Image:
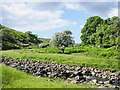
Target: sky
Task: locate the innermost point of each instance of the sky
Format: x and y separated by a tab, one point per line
46	18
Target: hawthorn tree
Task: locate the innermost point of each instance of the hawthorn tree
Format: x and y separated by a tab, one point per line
62	39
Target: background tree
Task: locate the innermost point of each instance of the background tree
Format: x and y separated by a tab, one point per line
62	39
89	29
97	31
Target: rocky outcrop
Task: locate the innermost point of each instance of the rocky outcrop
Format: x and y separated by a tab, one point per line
73	74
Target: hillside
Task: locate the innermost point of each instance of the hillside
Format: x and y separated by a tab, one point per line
44	40
12	39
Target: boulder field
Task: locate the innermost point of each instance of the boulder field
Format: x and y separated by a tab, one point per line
73	74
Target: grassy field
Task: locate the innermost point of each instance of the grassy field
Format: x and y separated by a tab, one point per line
12	78
74	58
83	56
112	52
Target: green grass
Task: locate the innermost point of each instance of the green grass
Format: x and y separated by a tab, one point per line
112	52
72	59
12	78
85	56
0	76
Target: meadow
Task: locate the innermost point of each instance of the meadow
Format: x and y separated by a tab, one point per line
106	59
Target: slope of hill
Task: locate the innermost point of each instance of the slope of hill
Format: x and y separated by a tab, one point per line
12	39
44	40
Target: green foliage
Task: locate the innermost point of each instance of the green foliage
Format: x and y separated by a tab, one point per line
32	38
12	39
97	31
62	39
89	29
12	78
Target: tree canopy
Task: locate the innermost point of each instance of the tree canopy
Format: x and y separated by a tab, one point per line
97	31
62	39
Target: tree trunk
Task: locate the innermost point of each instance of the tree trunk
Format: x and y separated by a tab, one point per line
62	50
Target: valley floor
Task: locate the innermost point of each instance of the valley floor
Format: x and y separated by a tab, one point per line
12	78
71	59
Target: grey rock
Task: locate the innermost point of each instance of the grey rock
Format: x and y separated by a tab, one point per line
94	80
73	74
77	78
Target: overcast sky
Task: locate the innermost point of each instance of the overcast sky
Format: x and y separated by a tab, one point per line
46	18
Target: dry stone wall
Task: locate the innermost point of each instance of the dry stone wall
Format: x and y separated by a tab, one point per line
73	74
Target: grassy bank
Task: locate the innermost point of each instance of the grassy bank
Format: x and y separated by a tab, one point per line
72	59
12	78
